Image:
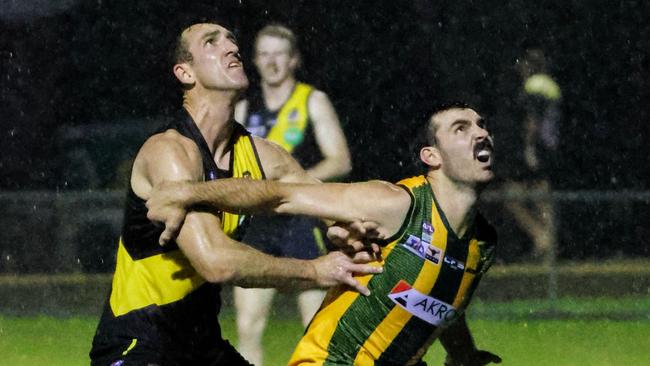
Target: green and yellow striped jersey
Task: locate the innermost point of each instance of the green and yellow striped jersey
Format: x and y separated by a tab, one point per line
428	279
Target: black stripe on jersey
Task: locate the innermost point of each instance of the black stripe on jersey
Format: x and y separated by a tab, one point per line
452	270
403	348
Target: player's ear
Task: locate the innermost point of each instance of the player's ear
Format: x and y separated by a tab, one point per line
295	60
430	156
184	74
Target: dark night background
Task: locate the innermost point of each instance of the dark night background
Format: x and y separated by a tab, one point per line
383	63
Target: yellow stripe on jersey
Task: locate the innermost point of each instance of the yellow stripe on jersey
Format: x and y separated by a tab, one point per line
318	335
160	279
291	123
413	182
168	277
130	347
473	258
245	166
312	349
394	322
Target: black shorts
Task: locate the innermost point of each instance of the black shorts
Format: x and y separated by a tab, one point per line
287	236
222	355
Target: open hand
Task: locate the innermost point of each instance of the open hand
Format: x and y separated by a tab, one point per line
337	268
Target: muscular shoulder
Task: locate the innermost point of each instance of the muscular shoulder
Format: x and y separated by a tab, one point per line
319	102
277	163
318	96
165	156
381	202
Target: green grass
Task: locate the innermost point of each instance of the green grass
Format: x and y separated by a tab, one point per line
566	332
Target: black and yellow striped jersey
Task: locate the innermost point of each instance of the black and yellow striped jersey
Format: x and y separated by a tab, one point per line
290	126
428	279
157	299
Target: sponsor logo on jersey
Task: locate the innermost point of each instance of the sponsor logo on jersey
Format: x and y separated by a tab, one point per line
242	219
454	263
423	249
427	308
427	232
427	228
259	131
293	136
293	116
254	120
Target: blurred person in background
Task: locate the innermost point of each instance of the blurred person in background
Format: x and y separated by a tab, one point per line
539	99
302	120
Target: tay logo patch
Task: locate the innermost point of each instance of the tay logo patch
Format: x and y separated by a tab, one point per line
423	249
427	308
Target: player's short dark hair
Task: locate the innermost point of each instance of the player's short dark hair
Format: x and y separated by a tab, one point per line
180	52
428	134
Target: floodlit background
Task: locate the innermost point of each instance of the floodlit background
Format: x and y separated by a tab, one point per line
84	82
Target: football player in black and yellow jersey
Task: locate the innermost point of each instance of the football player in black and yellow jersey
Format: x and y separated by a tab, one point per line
301	119
164	301
436	248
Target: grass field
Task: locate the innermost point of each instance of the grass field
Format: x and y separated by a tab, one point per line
566	332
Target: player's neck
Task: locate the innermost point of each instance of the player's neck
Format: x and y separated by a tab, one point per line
275	95
213	115
457	201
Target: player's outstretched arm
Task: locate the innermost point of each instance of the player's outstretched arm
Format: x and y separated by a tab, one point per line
217	257
376	201
294	192
461	351
220	259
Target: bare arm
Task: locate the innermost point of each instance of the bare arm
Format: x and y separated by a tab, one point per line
331	141
362	202
380	202
215	256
